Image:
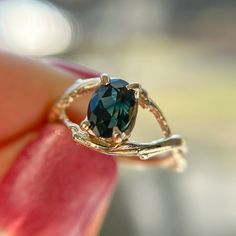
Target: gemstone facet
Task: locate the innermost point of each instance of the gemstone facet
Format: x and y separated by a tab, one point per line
111	105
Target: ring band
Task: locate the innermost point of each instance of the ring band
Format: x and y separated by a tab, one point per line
111	117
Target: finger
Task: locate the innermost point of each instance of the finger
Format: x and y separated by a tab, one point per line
28	89
9	152
72	68
94	223
56	188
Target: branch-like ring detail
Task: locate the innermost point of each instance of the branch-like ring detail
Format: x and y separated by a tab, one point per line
168	151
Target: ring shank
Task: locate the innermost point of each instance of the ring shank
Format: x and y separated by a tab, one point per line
171	157
167	160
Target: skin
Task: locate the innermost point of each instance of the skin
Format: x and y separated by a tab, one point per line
28	88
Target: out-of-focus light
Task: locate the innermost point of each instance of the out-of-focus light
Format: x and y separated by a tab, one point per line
34	27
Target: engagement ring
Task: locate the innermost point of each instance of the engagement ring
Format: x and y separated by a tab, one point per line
111	116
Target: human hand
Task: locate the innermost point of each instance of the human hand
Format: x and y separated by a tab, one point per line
50	186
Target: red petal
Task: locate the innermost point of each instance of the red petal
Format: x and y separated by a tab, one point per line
55	187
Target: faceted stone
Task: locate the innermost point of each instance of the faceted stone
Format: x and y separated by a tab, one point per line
111	106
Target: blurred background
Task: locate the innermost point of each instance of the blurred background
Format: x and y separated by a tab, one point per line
184	53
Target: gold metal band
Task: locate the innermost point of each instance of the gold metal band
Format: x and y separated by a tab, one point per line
165	152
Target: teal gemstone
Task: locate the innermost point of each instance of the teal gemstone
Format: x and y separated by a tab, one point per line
111	106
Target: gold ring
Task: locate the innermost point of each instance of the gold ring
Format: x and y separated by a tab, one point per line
111	116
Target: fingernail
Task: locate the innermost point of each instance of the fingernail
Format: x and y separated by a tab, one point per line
55	187
75	69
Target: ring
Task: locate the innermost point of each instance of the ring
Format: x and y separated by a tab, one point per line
111	116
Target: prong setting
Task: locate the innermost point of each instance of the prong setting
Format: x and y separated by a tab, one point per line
85	125
118	136
136	87
105	79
